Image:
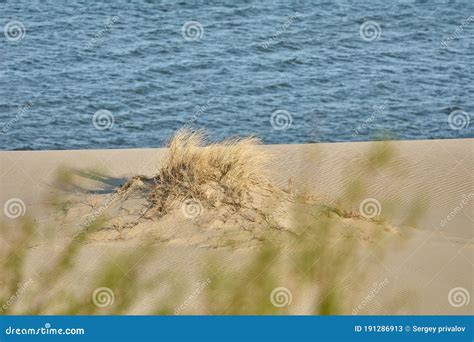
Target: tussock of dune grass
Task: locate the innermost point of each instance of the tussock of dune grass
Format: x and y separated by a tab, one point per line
226	172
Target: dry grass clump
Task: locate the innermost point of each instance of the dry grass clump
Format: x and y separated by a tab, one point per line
228	172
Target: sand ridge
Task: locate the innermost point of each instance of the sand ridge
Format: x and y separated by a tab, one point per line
424	261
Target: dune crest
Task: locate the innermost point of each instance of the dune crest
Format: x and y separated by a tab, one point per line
217	195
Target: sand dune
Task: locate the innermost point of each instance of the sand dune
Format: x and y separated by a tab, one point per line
435	256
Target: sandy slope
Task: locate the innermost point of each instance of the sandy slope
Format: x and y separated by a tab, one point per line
436	175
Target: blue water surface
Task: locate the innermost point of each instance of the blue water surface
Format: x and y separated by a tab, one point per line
327	70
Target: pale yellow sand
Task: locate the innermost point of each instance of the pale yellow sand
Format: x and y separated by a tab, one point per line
435	174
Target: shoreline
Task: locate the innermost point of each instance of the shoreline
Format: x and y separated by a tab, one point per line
266	145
